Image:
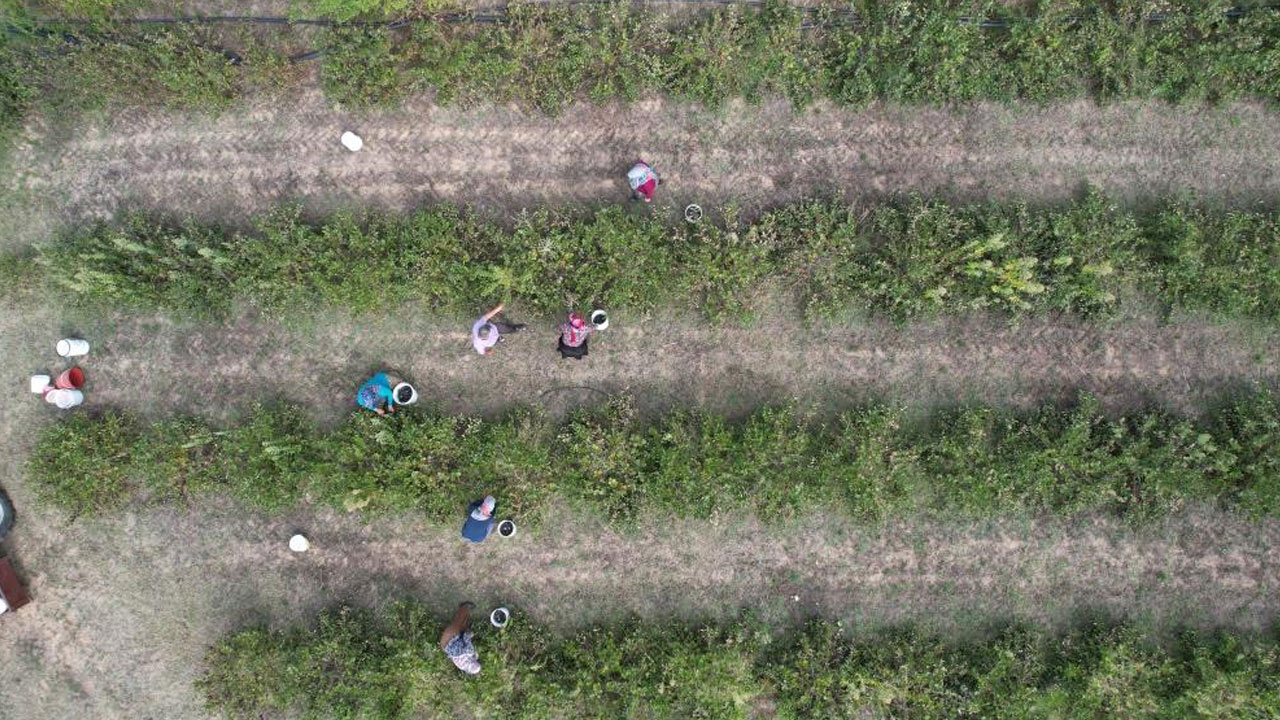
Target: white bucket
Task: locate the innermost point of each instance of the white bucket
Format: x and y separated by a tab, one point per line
299	543
39	383
600	319
352	141
503	529
64	399
73	347
500	617
413	394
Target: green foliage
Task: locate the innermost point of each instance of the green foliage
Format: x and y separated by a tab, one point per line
19	275
358	664
903	259
1228	263
84	484
545	55
355	663
345	10
16	88
180	67
1094	670
80	9
776	463
359	68
146	264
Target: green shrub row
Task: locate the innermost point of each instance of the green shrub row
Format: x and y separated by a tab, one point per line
355	664
545	56
902	259
868	463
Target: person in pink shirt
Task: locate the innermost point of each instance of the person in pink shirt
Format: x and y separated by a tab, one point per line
573	337
644	181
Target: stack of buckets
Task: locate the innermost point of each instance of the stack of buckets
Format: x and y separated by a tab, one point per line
64	391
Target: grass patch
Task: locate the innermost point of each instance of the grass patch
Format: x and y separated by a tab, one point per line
778	463
355	663
904	259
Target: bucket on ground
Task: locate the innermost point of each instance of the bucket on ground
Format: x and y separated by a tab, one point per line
72	347
39	383
600	319
693	213
72	379
64	398
500	617
352	141
507	529
299	543
404	394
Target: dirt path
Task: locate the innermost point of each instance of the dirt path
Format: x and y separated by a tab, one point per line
501	159
125	605
159	366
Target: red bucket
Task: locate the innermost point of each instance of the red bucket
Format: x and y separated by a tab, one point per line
72	379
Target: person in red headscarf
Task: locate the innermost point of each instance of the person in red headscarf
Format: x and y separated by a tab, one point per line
573	337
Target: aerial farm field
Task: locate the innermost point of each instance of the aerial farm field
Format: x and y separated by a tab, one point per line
937	380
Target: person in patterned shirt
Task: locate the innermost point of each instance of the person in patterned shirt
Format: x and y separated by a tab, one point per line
644	181
573	337
458	643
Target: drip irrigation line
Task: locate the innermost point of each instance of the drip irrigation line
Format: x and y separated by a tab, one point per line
560	388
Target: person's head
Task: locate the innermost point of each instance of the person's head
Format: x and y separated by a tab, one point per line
484	332
575	320
487	505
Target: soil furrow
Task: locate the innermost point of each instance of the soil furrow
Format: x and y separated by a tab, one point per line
158	366
244	161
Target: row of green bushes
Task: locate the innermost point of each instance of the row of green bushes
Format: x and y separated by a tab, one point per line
900	259
355	664
545	56
911	52
868	463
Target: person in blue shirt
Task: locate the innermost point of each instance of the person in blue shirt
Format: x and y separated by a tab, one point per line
375	393
479	523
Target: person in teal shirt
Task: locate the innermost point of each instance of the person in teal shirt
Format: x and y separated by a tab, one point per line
375	393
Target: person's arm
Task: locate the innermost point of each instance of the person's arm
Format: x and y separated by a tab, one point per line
489	315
